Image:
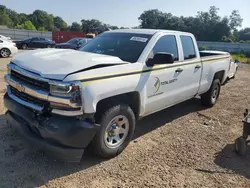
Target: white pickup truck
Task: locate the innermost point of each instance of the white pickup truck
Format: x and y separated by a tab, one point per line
65	101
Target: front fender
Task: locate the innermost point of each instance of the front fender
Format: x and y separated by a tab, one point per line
95	91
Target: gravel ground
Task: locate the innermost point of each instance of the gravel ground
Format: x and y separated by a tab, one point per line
183	146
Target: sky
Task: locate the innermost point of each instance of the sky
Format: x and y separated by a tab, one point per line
126	12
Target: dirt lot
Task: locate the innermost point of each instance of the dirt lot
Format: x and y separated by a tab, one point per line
184	146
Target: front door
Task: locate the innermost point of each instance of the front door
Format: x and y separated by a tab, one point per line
162	81
33	42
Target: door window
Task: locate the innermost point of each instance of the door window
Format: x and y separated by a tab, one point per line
34	39
166	44
188	47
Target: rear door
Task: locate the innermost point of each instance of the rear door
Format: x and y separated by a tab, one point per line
42	43
190	69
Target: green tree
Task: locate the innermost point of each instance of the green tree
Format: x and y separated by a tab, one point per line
41	29
244	34
75	27
26	25
22	18
235	20
4	17
14	16
206	26
154	19
113	27
90	25
60	23
42	19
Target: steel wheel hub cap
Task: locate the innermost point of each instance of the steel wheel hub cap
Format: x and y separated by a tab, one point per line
215	93
116	132
4	53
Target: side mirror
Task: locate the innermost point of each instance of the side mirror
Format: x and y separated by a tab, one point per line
161	58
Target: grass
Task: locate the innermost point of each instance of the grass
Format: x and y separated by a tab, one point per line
242	58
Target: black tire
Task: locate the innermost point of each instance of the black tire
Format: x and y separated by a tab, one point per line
241	146
24	46
5	53
210	98
98	144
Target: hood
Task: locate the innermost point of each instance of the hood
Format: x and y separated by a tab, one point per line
65	44
57	64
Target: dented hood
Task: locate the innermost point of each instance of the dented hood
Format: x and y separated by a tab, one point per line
57	64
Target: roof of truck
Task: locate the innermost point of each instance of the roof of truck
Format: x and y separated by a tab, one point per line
146	31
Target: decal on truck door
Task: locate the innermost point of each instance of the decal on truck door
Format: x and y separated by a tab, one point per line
157	85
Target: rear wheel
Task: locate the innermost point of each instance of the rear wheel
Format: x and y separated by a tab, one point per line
5	52
117	129
211	96
24	46
241	146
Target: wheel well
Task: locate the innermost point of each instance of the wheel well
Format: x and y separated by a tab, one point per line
132	99
219	75
4	48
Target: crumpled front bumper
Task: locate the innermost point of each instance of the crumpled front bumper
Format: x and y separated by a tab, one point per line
63	138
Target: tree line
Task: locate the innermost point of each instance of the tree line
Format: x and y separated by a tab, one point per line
206	26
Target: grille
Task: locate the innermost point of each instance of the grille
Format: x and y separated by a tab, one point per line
30	81
27	98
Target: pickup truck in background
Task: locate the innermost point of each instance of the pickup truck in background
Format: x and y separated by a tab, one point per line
65	101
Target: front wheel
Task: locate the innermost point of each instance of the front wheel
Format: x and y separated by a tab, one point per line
117	129
211	96
5	52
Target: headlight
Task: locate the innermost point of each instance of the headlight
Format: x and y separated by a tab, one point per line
64	90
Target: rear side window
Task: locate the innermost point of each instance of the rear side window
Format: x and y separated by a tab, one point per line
167	44
188	47
35	39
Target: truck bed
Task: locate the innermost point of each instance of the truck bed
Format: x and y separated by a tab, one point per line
205	53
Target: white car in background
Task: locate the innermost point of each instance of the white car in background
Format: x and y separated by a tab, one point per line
7	48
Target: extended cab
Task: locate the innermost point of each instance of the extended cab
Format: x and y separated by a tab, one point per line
65	101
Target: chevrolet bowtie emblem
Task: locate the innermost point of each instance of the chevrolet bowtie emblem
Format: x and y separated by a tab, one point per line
20	88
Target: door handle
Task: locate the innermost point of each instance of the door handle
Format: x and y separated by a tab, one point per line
179	70
197	67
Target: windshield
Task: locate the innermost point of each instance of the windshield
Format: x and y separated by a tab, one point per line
126	46
27	38
73	41
84	41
